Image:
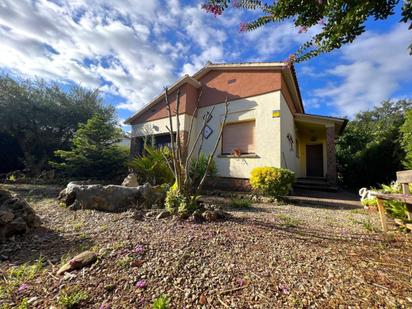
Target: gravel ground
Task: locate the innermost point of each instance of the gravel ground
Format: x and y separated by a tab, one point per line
264	256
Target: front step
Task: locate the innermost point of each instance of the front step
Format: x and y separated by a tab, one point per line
312	183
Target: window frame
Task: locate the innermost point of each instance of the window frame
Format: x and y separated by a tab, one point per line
254	138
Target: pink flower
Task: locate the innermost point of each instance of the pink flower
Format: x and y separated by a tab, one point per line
104	306
303	29
141	284
235	4
139	249
243	27
23	287
212	8
284	289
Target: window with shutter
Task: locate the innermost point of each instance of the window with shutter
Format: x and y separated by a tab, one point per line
239	136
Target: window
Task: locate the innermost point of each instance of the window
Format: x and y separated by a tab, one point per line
239	136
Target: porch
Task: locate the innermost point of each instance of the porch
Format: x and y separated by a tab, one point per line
315	150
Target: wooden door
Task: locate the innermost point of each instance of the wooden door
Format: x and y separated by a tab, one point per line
314	160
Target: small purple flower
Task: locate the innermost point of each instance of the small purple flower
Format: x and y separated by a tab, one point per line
104	306
141	284
241	282
284	289
23	287
139	249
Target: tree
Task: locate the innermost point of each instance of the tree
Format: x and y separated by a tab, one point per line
43	117
94	152
341	20
406	141
182	197
369	152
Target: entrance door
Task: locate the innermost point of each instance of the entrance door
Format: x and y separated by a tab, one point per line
314	160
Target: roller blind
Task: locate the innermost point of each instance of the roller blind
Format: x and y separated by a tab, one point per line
239	135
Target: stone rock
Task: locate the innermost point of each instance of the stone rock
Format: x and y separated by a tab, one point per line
130	181
214	215
6	217
16	215
164	214
409	226
196	217
81	260
209	215
111	198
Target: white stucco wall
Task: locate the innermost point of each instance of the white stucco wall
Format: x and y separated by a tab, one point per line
267	133
159	126
288	153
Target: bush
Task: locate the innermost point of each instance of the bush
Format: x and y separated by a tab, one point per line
198	169
152	167
178	203
272	181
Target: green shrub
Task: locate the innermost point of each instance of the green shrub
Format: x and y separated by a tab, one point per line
162	302
240	203
70	299
152	167
395	209
178	203
198	169
370	202
272	181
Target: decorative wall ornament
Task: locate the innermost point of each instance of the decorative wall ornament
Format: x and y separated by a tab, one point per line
290	140
207	132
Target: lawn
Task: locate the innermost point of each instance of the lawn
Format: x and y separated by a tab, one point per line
264	256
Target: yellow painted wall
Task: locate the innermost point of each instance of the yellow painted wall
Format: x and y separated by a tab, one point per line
305	140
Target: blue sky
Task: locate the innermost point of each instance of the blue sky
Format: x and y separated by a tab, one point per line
132	49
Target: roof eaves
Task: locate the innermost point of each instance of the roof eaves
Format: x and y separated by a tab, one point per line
186	78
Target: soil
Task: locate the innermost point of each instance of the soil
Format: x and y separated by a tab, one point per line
263	256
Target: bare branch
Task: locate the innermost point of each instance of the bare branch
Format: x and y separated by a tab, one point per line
199	187
191	120
171	132
178	154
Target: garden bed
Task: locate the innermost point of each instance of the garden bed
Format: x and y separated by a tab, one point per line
264	256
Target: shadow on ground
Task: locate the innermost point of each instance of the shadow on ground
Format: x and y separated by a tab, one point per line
41	242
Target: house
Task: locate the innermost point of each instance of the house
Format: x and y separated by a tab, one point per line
266	123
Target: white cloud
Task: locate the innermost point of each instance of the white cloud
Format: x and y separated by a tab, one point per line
376	65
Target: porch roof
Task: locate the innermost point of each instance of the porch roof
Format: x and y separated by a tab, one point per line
338	123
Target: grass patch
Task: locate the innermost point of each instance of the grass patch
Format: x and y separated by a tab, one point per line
124	262
367	224
79	225
358	211
288	221
240	203
17	275
70	299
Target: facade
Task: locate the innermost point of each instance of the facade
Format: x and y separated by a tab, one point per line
266	124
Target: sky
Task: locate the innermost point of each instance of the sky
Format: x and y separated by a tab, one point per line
131	50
